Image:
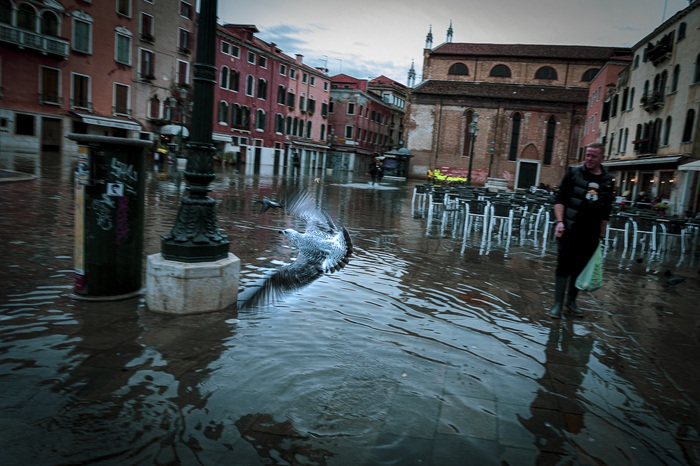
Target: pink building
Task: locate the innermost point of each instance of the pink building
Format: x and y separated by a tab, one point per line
66	67
360	123
268	105
603	103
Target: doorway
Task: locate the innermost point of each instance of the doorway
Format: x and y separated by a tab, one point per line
527	174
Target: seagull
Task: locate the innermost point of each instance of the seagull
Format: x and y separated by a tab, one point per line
323	248
267	203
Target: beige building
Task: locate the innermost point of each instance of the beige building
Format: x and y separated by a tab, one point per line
653	124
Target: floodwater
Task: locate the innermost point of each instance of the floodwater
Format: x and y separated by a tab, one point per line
415	353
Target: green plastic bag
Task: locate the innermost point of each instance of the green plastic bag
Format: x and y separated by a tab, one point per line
591	277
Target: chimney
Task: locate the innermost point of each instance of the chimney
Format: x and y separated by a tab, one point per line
300	58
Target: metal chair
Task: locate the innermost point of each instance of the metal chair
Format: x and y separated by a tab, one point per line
476	215
644	232
619	225
501	220
420	195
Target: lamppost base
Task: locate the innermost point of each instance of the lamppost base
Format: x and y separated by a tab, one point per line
190	288
193	253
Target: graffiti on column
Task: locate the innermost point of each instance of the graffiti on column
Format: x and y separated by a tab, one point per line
103	212
122	219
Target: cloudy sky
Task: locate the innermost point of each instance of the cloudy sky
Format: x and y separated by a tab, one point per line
368	38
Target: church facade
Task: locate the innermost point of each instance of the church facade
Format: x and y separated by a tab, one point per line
526	106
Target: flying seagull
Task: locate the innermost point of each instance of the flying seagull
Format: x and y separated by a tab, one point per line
267	203
323	248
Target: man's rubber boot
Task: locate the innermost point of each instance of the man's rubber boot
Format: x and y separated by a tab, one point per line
571	299
559	291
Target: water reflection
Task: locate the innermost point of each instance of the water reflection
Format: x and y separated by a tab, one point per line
417	350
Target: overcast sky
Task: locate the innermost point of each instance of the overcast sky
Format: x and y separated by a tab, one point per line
369	38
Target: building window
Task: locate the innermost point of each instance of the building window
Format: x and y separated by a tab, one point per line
281	94
233	85
309	129
154	107
290	99
682	31
302	103
26	17
124	7
50	86
260	120
589	75
500	71
696	74
348	132
121	99
225	77
82	35
292	73
184	41
250	86
251	58
351	108
49	24
262	89
223	113
147	65
279	123
24	124
459	69
183	72
675	78
123	47
304	78
186	10
262	62
667	131
5	12
311	105
146	30
688	128
283	70
80	93
514	137
549	143
546	72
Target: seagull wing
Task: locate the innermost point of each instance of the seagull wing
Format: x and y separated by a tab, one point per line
303	206
284	281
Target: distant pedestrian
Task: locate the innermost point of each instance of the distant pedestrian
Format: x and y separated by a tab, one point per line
582	211
296	163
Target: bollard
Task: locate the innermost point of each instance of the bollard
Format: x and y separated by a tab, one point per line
109	215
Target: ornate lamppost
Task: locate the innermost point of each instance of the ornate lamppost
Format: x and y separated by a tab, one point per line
473	131
195	237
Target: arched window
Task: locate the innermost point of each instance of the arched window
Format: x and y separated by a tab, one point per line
500	71
279	123
636	61
49	23
5	12
667	131
260	120
245	117
309	127
589	75
459	69
26	17
674	79
696	75
250	85
549	143
281	94
225	77
681	31
323	133
688	128
262	88
514	137
546	72
223	113
625	97
631	98
233	84
289	125
235	116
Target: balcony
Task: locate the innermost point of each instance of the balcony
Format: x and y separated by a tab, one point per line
653	101
47	45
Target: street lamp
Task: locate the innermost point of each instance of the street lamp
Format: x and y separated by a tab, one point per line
473	131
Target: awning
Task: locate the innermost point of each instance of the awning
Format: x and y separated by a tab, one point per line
694	166
645	161
221	137
110	122
174	130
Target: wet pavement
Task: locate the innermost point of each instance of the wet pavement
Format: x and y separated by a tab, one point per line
415	353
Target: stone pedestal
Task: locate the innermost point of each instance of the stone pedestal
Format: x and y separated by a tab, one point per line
189	288
496	184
